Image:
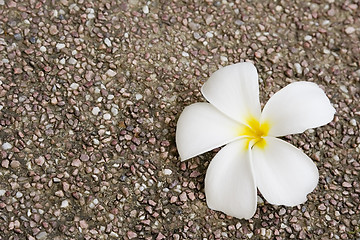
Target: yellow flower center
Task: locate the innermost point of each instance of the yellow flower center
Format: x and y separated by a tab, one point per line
255	132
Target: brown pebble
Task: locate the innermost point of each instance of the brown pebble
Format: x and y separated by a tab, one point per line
53	30
152	203
183	197
15	164
59	193
125	191
84	157
346	184
131	234
18	70
160	236
191	196
76	163
195	174
40	160
289	73
322	207
66	186
83	224
173	199
5	163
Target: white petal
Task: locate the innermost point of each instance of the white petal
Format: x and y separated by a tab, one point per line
297	107
229	182
284	174
201	127
234	90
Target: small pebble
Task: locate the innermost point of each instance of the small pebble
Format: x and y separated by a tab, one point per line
239	22
107	116
346	185
196	35
183	197
278	8
56	180
138	96
2	192
107	42
6	146
40	160
298	68
60	46
84	224
224	58
110	73
131	234
282	211
307	38
19	195
349	30
32	39
167	171
74	86
353	122
322	207
344	88
41	236
84	157
95	111
113	234
114	111
184	54
209	34
53	30
64	204
18	36
76	163
145	9
14	164
72	61
5	163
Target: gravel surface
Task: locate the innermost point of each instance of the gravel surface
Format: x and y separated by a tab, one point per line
90	92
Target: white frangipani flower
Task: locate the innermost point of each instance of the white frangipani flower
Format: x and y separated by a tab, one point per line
253	157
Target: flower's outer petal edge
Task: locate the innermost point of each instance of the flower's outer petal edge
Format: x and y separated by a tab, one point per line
201	128
297	107
229	182
234	90
284	174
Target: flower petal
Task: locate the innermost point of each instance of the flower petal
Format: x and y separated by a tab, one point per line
284	174
201	128
234	90
229	182
297	107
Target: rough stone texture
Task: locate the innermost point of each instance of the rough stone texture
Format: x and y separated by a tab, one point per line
90	92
